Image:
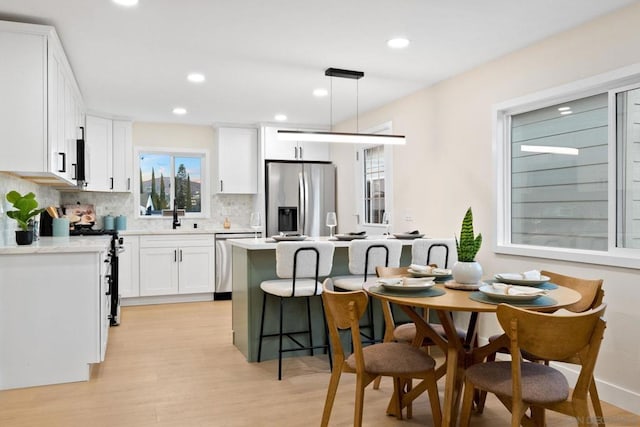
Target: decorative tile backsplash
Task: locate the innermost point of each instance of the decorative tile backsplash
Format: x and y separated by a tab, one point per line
236	207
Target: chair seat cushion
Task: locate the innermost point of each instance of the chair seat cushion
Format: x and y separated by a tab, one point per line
407	332
284	287
540	383
393	358
349	283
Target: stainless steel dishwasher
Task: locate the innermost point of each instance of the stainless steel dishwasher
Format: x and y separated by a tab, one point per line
224	278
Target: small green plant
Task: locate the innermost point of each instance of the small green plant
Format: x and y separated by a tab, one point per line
468	245
26	208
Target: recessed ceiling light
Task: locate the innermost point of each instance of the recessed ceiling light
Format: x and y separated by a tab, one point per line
127	3
398	43
280	117
196	78
180	111
320	92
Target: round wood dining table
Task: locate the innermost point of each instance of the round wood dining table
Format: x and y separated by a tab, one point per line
459	354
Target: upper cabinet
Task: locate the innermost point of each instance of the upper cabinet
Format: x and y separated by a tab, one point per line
237	161
108	154
40	107
274	149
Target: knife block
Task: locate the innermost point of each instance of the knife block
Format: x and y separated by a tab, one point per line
46	224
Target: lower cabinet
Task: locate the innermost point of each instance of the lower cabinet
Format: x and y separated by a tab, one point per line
176	265
129	268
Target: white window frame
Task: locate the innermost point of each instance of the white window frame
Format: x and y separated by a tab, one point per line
611	83
204	185
385	128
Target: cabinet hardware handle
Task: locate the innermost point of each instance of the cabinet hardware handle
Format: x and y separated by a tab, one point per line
128	183
180	255
175	255
75	171
64	162
300	149
111	183
221	186
296	153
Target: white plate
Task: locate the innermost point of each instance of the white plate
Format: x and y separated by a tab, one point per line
288	238
415	273
398	285
525	282
350	236
407	236
452	284
499	295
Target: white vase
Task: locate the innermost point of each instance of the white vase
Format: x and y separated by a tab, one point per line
467	272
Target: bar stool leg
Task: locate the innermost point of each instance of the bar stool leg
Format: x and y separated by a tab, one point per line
309	327
264	303
280	341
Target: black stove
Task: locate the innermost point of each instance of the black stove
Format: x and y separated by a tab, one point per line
92	232
115	248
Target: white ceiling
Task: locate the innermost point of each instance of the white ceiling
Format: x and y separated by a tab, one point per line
265	57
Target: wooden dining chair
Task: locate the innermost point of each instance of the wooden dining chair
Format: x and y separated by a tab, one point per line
592	296
520	384
399	361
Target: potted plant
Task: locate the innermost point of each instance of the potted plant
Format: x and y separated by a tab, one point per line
26	207
467	270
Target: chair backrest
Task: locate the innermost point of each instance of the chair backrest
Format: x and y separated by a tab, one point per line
555	336
590	290
382	271
343	311
385	252
441	252
305	260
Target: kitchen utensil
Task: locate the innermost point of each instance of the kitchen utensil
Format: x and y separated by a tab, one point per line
60	227
121	222
108	222
51	210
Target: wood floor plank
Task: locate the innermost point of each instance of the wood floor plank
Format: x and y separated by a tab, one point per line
174	365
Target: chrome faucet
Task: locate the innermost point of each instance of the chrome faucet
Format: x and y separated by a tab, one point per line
176	222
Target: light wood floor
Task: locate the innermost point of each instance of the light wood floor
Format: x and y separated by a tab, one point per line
175	365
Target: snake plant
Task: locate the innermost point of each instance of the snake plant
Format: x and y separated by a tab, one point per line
468	245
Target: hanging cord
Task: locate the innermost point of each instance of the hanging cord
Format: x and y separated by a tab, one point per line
331	104
357	105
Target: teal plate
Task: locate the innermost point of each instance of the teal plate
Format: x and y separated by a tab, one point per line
548	286
431	292
543	301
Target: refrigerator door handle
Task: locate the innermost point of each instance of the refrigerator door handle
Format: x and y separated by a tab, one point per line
302	200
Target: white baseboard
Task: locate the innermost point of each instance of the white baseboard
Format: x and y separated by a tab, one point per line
165	299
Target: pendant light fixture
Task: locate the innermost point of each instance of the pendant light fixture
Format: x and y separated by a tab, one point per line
341	137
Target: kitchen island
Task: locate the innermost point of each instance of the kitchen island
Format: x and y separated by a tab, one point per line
254	261
53	310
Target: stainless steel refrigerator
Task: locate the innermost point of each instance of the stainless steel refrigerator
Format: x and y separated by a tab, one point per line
298	197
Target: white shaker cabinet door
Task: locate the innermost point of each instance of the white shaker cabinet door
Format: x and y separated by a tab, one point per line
158	271
98	156
122	156
196	269
237	160
129	268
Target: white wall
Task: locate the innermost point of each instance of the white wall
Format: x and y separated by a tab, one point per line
447	165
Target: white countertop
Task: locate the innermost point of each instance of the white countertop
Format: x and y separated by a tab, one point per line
185	230
257	244
59	245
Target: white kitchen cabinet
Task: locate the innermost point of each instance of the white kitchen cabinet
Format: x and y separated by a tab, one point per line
129	267
109	156
237	161
38	104
122	164
275	149
171	265
54	312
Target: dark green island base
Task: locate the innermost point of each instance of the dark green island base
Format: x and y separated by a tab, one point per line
253	264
